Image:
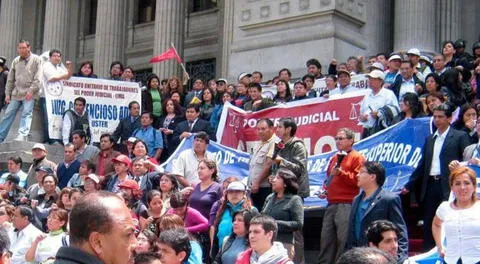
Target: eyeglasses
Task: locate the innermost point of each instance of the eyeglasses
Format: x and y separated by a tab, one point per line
340	138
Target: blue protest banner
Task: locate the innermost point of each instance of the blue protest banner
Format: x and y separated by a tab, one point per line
398	148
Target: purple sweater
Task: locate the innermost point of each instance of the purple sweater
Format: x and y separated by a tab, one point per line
195	222
203	200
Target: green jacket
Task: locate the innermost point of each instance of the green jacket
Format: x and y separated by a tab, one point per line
294	156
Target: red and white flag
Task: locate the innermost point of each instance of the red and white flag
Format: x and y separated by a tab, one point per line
171	53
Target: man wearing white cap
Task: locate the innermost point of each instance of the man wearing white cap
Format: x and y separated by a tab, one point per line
393	70
245	78
377	98
344	86
39	155
414	57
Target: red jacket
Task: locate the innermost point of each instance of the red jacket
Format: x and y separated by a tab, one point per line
343	187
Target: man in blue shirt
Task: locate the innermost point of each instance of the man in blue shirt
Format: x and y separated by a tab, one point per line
374	203
150	136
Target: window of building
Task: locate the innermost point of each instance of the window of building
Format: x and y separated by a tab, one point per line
202	5
201	69
91	23
142	75
146	11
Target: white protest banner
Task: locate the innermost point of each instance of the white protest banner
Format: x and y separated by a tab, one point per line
107	103
358	81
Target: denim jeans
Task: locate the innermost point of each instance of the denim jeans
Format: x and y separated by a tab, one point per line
9	116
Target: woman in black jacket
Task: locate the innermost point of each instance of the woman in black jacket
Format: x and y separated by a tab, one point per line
286	207
172	115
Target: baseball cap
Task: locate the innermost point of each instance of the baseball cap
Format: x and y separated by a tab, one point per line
13	178
129	184
39	146
376	74
236	186
93	177
395	57
425	58
377	65
45	169
243	74
414	51
222	80
460	43
131	140
342	71
122	159
3	60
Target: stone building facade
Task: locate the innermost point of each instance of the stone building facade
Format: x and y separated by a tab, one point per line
225	37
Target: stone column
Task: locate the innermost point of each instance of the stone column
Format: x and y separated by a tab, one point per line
414	25
109	35
10	27
379	26
169	28
55	35
225	21
448	21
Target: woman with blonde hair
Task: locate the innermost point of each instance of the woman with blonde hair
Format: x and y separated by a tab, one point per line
460	218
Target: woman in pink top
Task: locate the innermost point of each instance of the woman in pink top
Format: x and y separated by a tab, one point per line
194	221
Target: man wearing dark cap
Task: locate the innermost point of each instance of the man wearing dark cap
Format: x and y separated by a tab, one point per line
463	60
13	192
101	231
36	189
221	88
3	80
39	155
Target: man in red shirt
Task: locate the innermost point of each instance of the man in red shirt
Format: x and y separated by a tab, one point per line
341	187
103	161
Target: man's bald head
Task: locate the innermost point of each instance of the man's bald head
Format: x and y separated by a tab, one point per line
91	213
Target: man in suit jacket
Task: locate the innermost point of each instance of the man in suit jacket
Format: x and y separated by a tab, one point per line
374	203
192	125
126	126
432	173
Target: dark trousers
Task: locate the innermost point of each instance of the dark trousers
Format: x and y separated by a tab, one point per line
258	198
433	198
43	110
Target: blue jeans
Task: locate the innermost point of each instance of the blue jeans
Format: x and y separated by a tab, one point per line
9	116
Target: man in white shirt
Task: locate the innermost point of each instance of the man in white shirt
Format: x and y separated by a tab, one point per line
414	57
377	98
53	73
186	165
14	166
24	234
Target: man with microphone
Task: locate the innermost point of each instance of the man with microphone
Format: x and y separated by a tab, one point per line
340	188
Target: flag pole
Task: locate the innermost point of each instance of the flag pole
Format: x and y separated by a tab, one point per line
181	64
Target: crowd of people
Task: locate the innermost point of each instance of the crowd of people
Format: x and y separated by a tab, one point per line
111	202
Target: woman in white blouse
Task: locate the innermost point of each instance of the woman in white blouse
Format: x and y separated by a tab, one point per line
460	219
